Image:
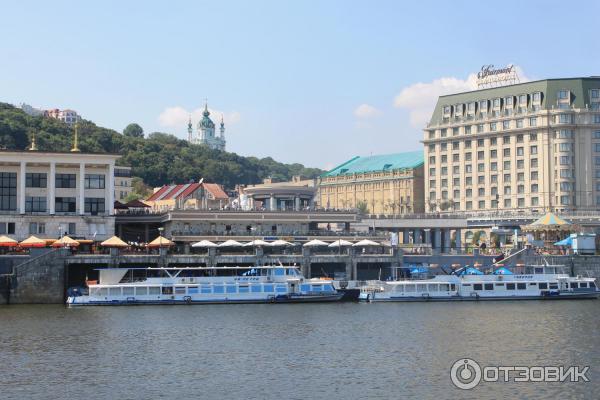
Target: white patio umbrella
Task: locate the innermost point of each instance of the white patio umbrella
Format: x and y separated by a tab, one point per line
256	243
366	243
204	243
230	243
280	243
315	243
340	243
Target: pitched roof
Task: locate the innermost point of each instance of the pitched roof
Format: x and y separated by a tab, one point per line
170	192
382	162
136	203
215	190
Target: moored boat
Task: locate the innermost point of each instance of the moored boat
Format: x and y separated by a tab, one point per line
202	285
534	282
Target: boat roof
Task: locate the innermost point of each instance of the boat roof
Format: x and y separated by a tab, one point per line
199	268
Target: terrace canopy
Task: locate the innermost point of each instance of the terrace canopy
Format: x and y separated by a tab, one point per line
204	243
65	241
230	243
33	241
5	241
114	242
315	243
280	243
366	243
256	243
340	243
161	241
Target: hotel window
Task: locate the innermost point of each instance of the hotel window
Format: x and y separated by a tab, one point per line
36	228
493	141
468	168
520	164
35	180
444	171
566	173
505	125
455	131
563	134
443	133
467	130
506	140
66	181
521	189
455	157
481	142
521	177
493	166
447	111
563	94
597	147
533	149
520	123
520	138
94	181
595	94
507	190
481	180
468	156
493	126
508	101
456	194
467	144
431	134
7	228
432	183
444	158
35	204
496	103
455	145
533	121
481	204
8	191
432	196
537	97
596	118
94	205
493	191
483	106
533	137
564	119
481	155
493	178
507	203
445	195
523	100
564	147
432	147
565	186
520	151
534	175
506	152
565	200
471	108
456	170
456	181
432	160
506	165
481	167
535	201
506	177
566	160
468	181
480	128
481	192
65	204
469	205
458	110
493	153
431	171
444	146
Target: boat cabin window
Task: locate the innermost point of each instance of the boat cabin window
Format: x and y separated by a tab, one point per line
592	284
218	289
510	286
316	288
230	289
409	288
328	288
192	289
466	284
128	291
477	286
167	290
268	288
532	283
583	284
432	287
574	285
554	286
452	287
421	287
114	291
489	286
95	292
141	291
292	272
444	287
243	289
543	285
305	288
281	288
256	288
279	272
205	289
521	286
154	291
399	289
104	292
499	284
180	290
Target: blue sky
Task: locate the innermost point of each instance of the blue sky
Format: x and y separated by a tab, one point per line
315	82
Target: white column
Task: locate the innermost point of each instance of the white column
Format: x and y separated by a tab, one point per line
111	189
297	203
22	177
81	188
52	188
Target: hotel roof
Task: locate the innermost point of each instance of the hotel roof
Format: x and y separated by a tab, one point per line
170	192
382	162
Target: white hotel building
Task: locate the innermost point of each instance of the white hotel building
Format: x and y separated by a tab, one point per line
529	147
48	194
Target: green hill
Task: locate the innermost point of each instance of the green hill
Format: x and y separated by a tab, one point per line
158	159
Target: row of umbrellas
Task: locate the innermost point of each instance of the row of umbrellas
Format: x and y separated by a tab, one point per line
34	241
283	243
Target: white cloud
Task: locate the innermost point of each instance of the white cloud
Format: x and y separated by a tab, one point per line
177	117
366	111
420	98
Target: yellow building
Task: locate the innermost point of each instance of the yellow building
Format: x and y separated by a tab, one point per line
382	184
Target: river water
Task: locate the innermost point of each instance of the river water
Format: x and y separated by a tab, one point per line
296	351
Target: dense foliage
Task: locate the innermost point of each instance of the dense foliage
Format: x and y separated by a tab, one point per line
158	159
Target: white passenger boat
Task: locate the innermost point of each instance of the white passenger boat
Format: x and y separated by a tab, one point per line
267	284
538	282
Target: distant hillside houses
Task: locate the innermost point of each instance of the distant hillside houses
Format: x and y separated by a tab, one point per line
67	116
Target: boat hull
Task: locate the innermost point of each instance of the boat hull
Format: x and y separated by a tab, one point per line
562	296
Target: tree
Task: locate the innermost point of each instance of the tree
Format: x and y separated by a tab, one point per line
133	130
362	206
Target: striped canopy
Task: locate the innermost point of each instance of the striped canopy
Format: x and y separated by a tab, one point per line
550	219
33	241
5	241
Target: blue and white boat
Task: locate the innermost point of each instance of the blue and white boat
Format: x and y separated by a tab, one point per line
533	282
202	285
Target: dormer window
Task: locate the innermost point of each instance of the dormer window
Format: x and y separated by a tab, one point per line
563	94
537	97
496	103
522	100
458	110
471	108
508	101
483	106
447	111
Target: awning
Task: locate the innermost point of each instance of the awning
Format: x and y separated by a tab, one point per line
280	243
33	241
114	242
204	243
565	242
161	241
5	241
230	243
502	271
65	241
340	243
315	243
256	243
365	243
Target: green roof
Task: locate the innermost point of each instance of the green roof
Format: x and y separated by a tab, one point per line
579	87
382	162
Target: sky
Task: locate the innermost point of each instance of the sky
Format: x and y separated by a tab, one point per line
314	82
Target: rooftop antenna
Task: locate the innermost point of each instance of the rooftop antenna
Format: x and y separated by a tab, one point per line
75	148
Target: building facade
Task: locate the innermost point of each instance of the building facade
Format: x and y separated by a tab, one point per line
69	117
295	195
123	186
190	196
529	147
381	184
205	132
52	194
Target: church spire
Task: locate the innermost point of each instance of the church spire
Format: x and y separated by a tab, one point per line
222	128
190	130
